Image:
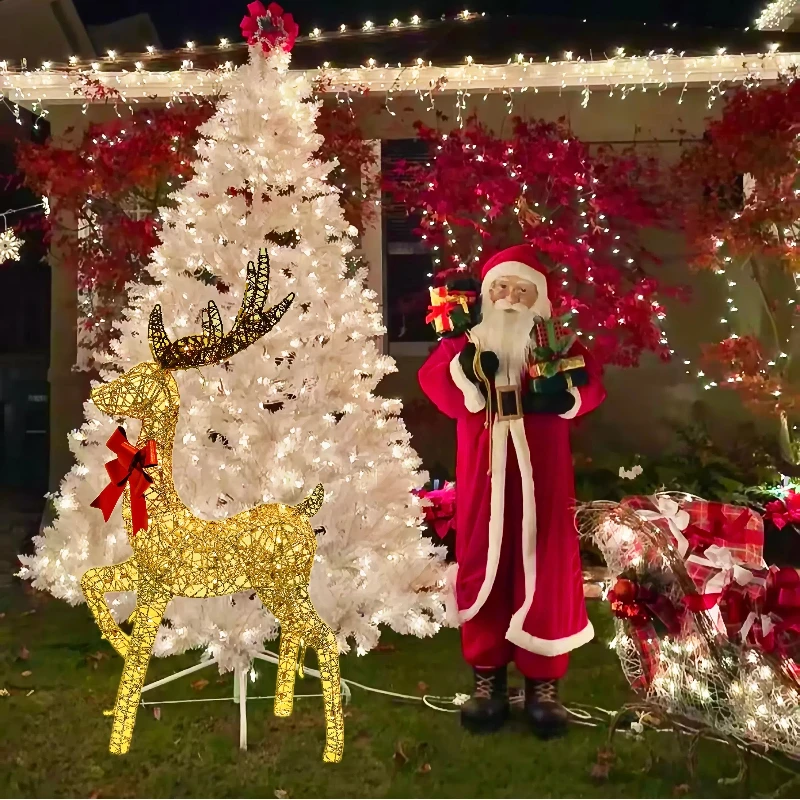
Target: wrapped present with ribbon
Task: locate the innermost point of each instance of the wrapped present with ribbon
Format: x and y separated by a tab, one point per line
739	529
665	512
782	608
440	514
553	340
713	572
450	310
695	525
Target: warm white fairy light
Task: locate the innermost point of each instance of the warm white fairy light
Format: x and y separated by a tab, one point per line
777	15
10	246
620	75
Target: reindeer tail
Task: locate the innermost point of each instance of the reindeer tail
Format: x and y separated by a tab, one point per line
312	503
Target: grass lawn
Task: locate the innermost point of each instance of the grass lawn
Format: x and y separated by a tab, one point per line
54	739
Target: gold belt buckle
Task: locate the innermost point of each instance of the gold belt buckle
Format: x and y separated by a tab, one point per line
504	393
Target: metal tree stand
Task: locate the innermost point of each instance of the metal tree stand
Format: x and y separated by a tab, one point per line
239	689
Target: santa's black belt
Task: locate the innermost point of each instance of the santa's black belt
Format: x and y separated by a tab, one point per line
511	403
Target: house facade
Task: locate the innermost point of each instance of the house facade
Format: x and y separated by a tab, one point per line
643	86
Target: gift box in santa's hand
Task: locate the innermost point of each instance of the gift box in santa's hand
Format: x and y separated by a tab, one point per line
455	307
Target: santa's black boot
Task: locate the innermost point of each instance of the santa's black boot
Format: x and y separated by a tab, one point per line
546	715
487	710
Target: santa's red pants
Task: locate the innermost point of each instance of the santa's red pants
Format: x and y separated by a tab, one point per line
483	638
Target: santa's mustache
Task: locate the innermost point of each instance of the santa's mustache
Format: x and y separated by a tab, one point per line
505	305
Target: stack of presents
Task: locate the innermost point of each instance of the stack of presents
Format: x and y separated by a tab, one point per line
722	547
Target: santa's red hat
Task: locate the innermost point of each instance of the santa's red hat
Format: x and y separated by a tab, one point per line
521	261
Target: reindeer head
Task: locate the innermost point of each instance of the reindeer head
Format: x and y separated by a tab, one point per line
149	388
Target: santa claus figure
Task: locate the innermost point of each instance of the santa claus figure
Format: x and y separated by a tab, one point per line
519	587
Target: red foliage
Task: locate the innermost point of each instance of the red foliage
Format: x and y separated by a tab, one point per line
784	511
739	363
583	211
104	196
105	193
355	175
740	206
756	136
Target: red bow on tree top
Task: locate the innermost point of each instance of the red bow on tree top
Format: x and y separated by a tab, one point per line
269	25
128	466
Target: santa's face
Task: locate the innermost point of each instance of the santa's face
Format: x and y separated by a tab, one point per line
512	294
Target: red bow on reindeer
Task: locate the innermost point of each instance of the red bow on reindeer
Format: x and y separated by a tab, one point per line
128	467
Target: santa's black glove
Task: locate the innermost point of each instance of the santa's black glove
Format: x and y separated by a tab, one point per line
489	362
559	382
553	403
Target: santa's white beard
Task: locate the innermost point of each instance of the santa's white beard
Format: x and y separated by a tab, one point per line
507	334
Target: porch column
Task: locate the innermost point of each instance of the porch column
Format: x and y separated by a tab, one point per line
372	241
68	389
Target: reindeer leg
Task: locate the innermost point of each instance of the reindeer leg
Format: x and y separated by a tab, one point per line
317	634
147	617
287	656
95	583
287	669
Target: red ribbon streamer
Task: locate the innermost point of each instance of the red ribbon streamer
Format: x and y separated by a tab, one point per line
127	468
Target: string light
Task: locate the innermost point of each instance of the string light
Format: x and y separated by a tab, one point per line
776	16
619	76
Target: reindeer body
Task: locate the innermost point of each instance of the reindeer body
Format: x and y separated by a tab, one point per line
269	549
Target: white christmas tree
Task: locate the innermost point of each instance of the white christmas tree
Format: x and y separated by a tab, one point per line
294	410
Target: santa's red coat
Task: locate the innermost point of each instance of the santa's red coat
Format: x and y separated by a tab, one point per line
552	619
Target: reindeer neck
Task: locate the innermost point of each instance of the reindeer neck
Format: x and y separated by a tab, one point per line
162	430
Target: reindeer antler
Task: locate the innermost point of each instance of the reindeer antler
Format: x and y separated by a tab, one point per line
214	346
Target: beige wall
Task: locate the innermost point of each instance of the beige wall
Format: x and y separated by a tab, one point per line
640	400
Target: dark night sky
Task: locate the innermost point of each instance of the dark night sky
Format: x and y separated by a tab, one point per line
205	21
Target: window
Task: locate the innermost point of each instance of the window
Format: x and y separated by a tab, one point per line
407	262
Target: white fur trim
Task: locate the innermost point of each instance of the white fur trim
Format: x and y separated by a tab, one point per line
473	399
573	412
548	647
449	595
515	633
528	522
496	517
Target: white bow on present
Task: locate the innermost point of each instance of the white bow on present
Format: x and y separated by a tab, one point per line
728	569
766	624
677	519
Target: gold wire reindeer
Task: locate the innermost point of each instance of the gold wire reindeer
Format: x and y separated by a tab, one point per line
269	548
